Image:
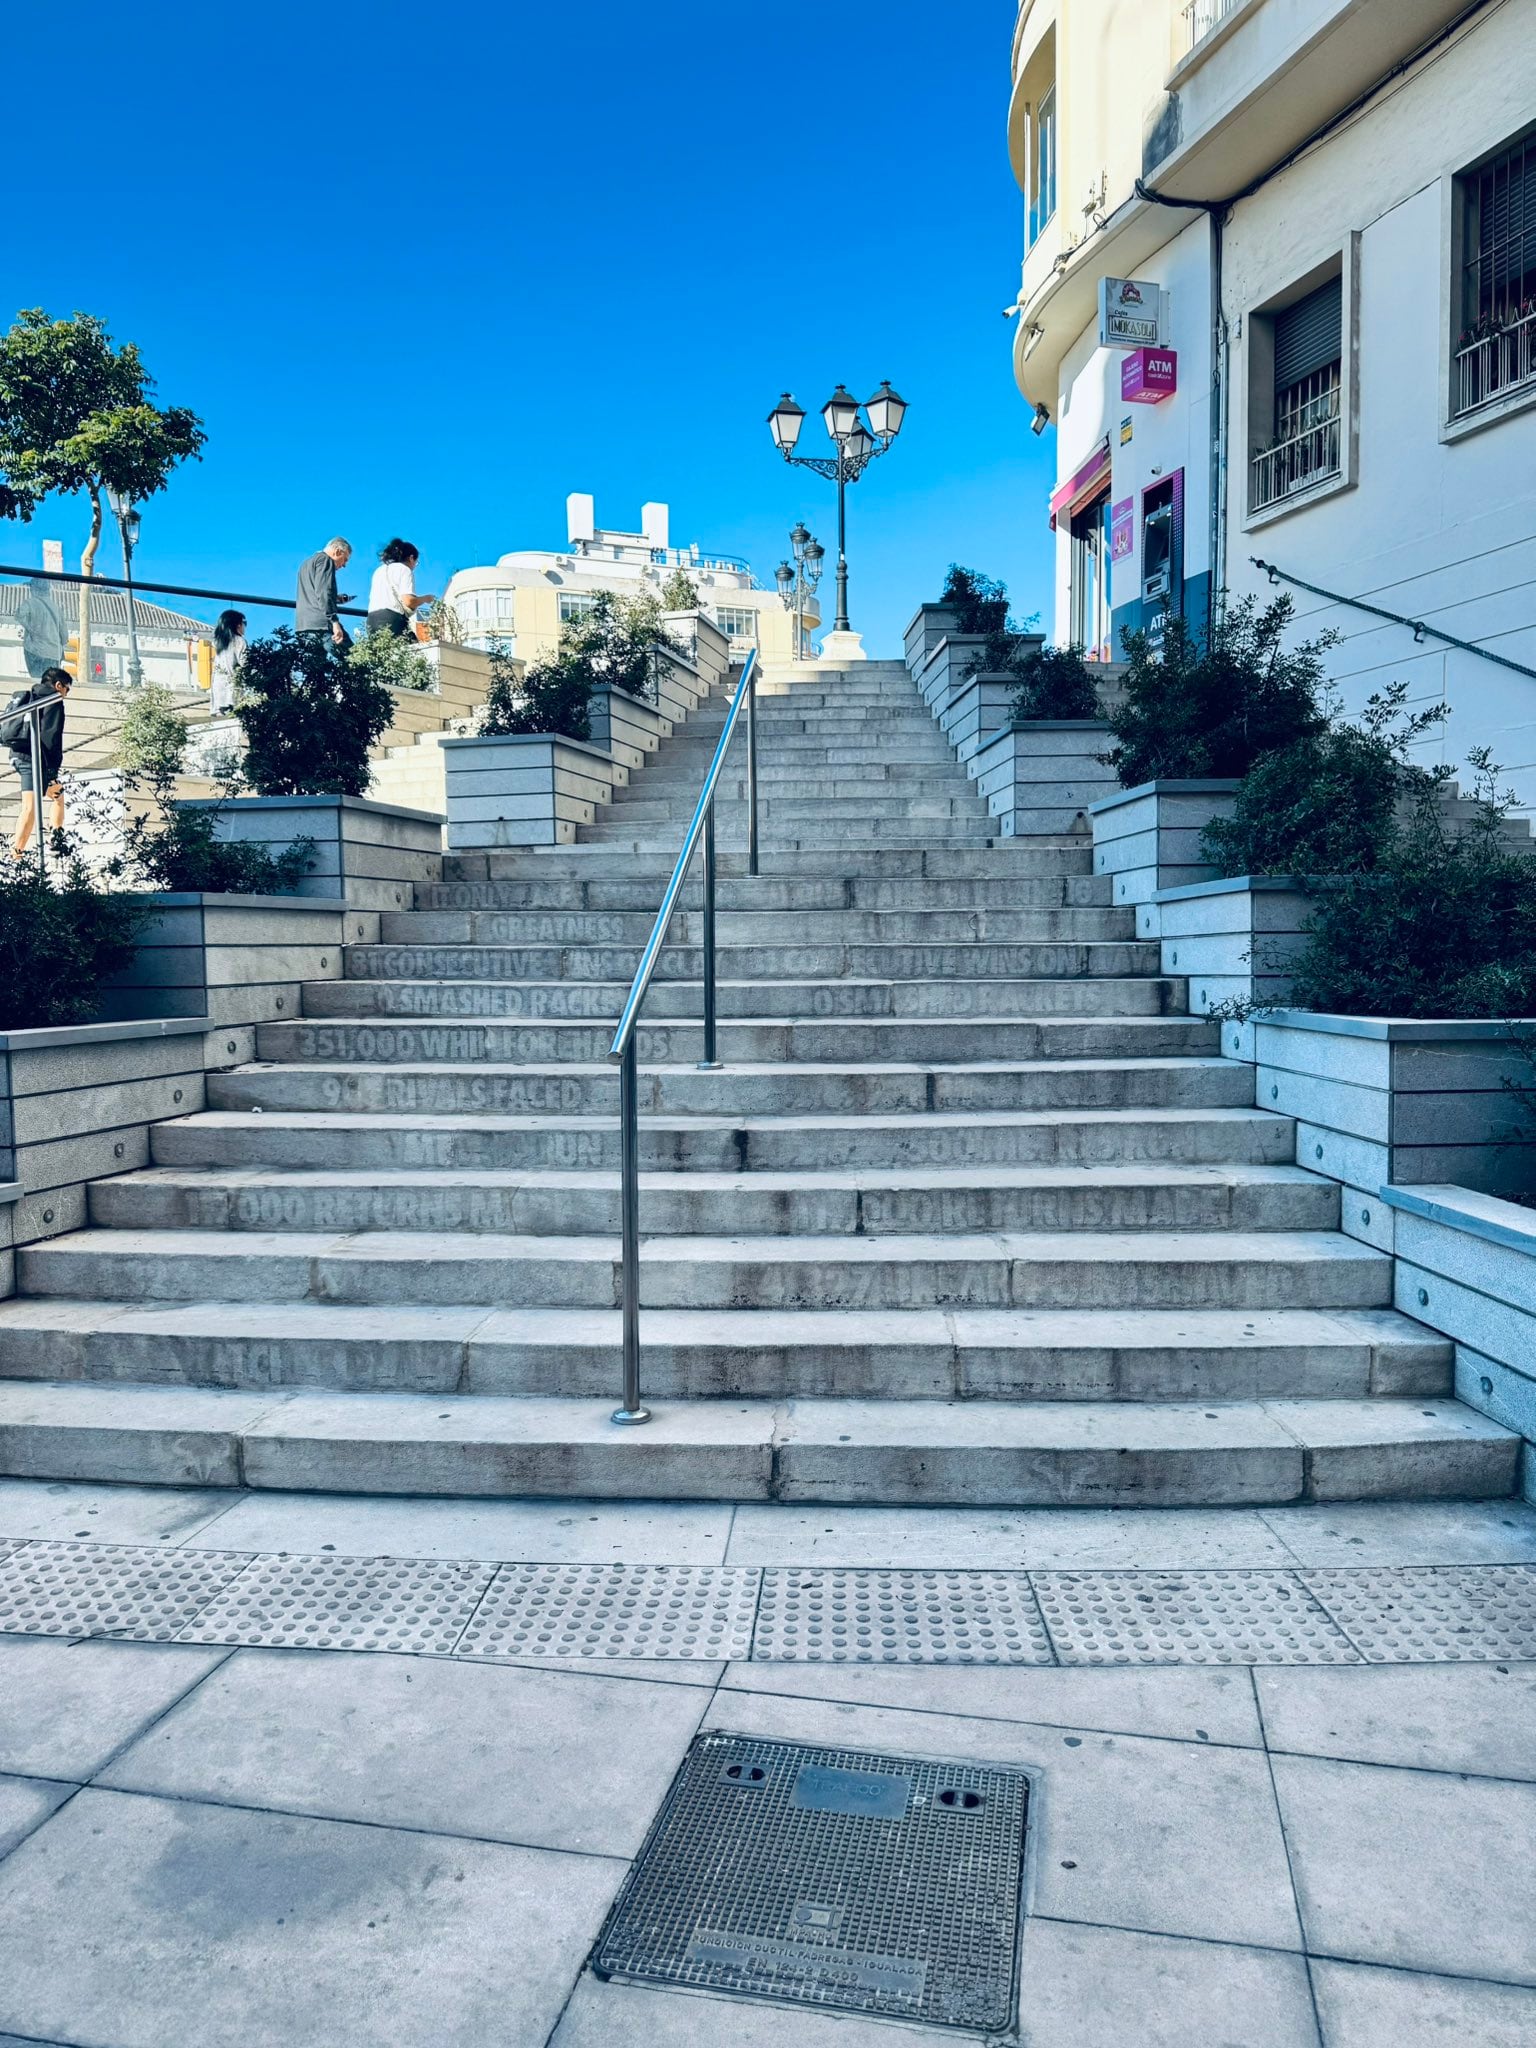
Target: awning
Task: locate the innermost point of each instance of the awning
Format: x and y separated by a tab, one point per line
1084	484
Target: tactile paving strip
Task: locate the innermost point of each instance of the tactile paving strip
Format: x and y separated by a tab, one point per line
1433	1615
345	1603
130	1591
542	1610
899	1617
1199	1617
832	1878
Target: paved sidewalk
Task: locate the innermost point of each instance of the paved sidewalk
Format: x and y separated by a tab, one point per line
204	1845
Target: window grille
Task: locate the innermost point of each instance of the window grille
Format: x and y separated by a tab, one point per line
1496	347
1307	447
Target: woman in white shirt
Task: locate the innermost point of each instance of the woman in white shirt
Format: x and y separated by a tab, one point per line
392	593
228	653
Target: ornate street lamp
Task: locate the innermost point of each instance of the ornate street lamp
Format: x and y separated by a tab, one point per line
126	514
798	582
857	446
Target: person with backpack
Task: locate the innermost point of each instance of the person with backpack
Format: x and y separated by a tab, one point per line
50	690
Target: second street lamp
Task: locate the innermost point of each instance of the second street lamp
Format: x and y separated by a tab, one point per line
797	583
857	446
126	514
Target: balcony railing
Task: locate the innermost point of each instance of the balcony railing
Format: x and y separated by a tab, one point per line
1296	464
1201	16
1492	365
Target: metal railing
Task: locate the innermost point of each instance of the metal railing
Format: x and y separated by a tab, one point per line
1293	465
1204	15
623	1049
1495	364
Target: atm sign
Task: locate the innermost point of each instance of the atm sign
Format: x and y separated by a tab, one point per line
1148	375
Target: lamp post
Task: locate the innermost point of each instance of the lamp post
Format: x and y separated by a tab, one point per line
127	515
797	583
857	446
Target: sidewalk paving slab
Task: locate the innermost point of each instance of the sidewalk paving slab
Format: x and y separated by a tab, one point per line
635	2016
495	1753
1037	1539
1448	1717
56	1508
25	1803
1407	1532
151	1923
67	1707
1361	2007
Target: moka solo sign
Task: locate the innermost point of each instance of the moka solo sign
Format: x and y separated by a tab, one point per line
1131	313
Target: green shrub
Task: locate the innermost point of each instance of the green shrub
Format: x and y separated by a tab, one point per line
1445	926
679	593
309	716
393	660
181	851
550	696
979	603
619	642
1328	804
1053	682
152	738
60	939
1211	703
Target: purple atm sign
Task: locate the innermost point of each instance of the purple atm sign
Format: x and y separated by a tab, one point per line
1148	375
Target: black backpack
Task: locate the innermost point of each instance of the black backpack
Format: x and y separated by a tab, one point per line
13	729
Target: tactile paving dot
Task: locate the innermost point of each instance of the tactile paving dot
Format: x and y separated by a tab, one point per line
899	1617
1433	1614
1200	1617
557	1610
131	1591
345	1603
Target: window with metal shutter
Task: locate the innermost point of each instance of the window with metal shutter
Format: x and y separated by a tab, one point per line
1308	334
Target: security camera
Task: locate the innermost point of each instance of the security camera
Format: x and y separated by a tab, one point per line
1041	420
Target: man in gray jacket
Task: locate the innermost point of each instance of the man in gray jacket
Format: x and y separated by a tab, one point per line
318	598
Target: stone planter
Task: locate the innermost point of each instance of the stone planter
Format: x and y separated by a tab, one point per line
624	728
1389	1099
238	961
527	790
1466	1266
931	623
979	708
940	674
76	1104
1148	838
1040	778
704	644
1236	937
368	853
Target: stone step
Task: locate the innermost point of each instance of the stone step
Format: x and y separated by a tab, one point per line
938	967
756	928
766	895
353	1140
440	1034
858	1202
1020	1269
906	1453
1004	859
734	1093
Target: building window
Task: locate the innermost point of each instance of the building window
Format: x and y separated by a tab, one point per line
1042	169
574	605
1496	344
1306	439
1090	579
505	609
737	621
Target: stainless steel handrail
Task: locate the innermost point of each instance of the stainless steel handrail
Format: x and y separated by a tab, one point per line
622	1049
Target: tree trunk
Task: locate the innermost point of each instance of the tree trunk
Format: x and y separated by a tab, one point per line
88	568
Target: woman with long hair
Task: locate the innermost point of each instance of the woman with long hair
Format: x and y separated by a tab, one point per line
228	653
392	595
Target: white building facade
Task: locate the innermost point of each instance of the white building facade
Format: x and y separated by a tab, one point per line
525	597
1349	289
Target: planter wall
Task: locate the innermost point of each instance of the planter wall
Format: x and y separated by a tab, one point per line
1466	1266
625	729
1148	838
978	709
530	790
238	961
77	1103
931	623
705	646
368	853
1381	1100
1236	937
1041	777
940	674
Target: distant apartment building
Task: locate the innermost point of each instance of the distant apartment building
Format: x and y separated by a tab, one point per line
525	598
172	646
1278	305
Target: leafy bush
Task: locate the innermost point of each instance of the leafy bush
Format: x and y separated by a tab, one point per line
1053	682
1328	804
1444	927
181	851
309	716
551	696
619	642
979	603
60	939
1211	704
396	662
152	739
679	593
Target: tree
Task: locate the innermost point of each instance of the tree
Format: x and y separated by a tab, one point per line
309	716
680	593
76	415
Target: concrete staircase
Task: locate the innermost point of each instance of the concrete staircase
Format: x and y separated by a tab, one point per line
973	1212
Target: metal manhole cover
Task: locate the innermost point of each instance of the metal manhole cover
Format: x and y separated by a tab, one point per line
830	1877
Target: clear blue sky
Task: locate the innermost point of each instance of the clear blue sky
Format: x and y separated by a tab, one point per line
427	270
